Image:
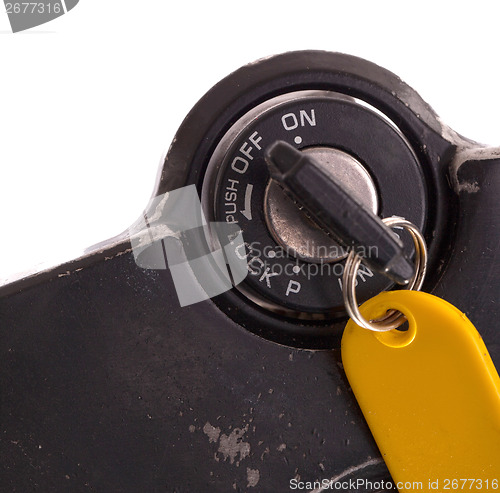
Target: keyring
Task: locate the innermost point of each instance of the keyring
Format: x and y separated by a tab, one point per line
393	319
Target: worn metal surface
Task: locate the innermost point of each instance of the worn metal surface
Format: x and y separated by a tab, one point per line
107	384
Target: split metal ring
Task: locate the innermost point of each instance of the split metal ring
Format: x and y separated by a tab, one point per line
393	318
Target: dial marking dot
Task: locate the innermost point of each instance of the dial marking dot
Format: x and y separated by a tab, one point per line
298	140
271	254
296	269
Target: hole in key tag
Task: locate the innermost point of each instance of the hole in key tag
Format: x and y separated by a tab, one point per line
430	395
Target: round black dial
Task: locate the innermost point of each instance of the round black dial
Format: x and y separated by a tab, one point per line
294	268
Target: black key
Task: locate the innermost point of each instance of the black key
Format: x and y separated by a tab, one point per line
348	221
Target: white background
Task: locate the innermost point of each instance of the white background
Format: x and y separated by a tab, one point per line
90	102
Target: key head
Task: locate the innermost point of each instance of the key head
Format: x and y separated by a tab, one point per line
338	212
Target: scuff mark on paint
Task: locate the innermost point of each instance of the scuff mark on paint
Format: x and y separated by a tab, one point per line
212	432
253	477
230	446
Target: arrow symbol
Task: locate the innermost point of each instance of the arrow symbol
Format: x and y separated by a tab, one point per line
247	212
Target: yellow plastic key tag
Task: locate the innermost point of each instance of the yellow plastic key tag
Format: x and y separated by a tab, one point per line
430	395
